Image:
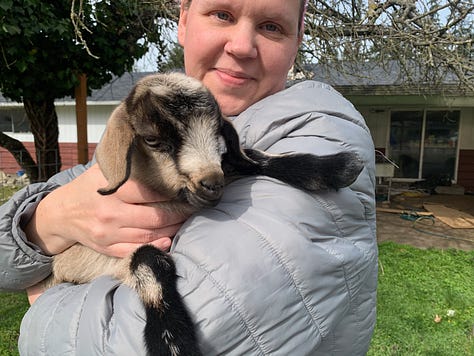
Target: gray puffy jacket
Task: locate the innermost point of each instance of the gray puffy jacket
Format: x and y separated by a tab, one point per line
271	270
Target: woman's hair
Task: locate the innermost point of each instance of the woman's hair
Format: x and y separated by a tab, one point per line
303	5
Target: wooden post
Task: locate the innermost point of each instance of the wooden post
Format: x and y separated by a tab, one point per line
81	119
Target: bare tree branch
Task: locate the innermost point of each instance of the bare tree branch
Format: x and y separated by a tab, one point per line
431	40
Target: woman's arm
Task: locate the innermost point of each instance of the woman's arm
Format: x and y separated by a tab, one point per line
98	318
270	269
46	218
113	224
22	263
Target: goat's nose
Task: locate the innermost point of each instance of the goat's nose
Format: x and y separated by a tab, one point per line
211	187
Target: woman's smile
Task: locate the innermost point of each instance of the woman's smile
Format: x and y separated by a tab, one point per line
233	78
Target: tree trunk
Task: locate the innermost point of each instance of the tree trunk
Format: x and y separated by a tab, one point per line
21	154
44	126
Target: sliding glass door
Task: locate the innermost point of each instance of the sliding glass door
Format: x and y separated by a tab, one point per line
424	143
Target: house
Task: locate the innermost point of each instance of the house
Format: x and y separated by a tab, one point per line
100	105
427	133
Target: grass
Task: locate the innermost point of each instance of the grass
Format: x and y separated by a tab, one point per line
6	192
425	302
12	308
417	291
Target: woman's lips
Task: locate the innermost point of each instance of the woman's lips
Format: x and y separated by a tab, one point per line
233	78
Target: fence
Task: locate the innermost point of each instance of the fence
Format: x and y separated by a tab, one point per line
12	173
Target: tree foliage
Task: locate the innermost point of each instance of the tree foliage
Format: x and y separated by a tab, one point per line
44	45
430	40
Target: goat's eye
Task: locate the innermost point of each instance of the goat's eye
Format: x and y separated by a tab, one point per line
158	145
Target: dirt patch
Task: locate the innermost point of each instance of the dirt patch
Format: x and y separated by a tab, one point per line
425	232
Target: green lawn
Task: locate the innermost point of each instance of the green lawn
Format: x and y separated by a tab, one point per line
6	193
415	286
12	308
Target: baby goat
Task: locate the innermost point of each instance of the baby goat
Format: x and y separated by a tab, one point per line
170	135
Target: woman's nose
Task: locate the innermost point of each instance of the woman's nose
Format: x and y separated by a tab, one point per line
242	41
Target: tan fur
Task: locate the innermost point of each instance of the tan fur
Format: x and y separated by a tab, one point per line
144	283
116	141
70	266
122	148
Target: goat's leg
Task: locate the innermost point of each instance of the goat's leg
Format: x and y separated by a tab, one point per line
169	329
301	170
80	264
308	171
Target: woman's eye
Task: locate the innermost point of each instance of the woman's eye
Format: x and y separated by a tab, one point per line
271	27
223	16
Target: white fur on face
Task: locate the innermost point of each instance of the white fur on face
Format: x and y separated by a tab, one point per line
202	147
169	83
189	84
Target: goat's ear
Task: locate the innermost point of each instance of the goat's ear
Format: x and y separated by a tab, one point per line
114	152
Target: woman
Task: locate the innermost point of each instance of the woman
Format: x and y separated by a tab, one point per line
271	269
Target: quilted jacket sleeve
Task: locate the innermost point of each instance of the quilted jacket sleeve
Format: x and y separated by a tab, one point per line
23	264
270	270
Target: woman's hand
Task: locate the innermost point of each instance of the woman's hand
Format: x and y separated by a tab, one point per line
114	225
34	292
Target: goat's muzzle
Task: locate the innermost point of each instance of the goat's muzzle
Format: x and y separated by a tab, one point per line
206	192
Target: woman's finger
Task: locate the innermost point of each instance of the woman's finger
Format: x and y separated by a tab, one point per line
125	249
134	193
142	216
144	236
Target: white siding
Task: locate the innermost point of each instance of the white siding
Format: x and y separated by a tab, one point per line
466	129
97	116
378	122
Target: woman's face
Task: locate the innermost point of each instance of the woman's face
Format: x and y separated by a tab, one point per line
240	49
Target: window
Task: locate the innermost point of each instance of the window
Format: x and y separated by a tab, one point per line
424	143
14	120
405	134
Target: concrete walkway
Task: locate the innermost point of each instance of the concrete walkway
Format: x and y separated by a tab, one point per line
425	232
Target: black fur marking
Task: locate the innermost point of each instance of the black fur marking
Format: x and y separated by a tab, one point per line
301	170
169	329
167	132
235	162
308	171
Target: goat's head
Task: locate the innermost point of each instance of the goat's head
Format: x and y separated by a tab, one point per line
167	135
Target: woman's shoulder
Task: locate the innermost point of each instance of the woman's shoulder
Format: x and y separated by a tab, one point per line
300	98
308	108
